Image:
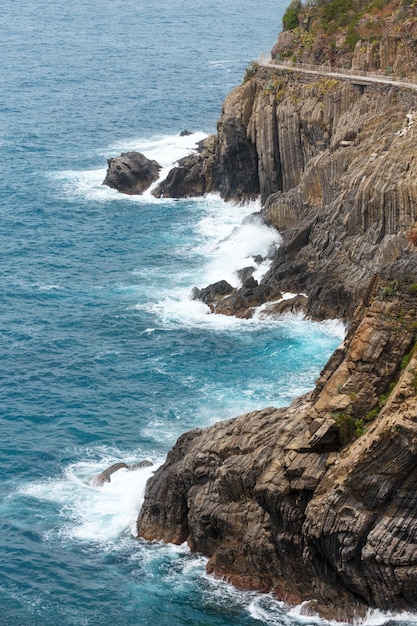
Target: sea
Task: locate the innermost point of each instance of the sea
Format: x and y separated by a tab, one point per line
104	357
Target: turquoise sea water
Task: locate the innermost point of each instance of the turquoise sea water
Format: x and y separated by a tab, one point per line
103	356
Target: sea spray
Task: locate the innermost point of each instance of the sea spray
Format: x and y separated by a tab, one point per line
166	150
94	513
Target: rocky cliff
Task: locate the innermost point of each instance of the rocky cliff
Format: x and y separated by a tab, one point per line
370	35
334	164
316	500
282	499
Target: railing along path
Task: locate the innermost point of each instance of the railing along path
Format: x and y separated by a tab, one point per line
265	60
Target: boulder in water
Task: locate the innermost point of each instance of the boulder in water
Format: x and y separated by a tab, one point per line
131	173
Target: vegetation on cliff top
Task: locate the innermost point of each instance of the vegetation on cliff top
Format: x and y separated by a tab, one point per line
323	31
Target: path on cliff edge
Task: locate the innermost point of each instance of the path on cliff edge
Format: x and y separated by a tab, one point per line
359	77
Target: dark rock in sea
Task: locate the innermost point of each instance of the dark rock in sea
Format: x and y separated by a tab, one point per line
222	298
297	304
189	178
226	163
245	273
105	475
185	133
213	292
131	173
183	181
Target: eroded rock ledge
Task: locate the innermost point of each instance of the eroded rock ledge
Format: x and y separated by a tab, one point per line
283	499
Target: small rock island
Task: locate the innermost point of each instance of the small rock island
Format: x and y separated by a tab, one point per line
317	501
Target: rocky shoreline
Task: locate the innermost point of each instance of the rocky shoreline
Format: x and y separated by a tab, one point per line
316	501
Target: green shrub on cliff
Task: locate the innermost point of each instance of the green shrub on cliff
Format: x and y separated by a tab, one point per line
336	26
290	19
348	425
352	36
251	70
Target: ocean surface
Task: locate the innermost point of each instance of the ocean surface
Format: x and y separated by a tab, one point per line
103	356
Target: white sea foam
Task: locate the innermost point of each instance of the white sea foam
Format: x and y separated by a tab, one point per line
269	611
261	607
374	617
219	218
87	185
93	513
166	150
274	613
52	287
298	326
229	241
179	309
239	249
379	618
223	63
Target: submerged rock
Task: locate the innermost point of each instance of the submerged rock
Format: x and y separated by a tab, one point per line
131	173
105	475
241	302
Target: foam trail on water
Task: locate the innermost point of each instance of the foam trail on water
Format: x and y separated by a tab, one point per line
87	184
182	311
219	218
376	617
274	613
228	240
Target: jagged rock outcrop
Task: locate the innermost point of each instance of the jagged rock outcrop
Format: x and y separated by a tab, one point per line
105	475
283	499
241	302
192	175
224	163
131	173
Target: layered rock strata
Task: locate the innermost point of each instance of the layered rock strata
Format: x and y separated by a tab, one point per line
281	499
336	170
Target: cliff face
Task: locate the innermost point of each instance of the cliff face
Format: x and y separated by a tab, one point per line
281	499
348	214
335	165
316	500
